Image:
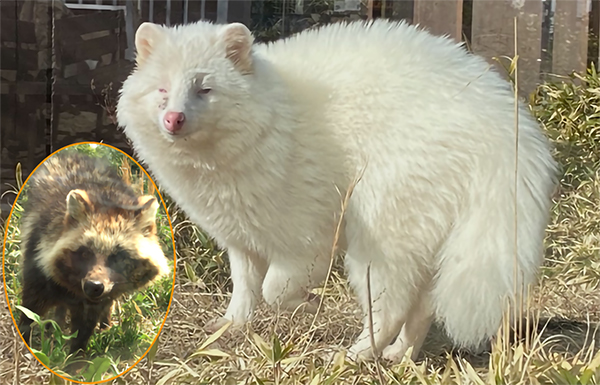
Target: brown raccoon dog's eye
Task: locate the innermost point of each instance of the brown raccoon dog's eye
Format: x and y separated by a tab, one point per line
120	261
84	253
203	91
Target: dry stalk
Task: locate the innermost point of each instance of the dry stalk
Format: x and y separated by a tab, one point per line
519	290
334	248
17	353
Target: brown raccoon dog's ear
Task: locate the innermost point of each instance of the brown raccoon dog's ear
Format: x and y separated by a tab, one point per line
238	44
146	213
78	204
146	37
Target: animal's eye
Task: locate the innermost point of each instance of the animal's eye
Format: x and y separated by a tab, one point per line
203	91
162	90
118	256
84	252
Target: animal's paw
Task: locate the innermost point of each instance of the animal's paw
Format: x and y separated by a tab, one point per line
394	353
104	325
360	355
215	324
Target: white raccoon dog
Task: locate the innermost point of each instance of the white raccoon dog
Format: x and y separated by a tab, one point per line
258	143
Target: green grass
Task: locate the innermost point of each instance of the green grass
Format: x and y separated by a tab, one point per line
138	316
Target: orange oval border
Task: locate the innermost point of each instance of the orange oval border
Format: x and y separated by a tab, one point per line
174	262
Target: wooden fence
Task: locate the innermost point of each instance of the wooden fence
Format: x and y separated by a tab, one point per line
553	36
40	114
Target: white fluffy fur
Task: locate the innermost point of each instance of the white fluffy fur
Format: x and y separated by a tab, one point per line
261	157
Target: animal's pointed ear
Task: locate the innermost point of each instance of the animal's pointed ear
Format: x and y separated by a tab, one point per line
238	44
78	204
148	206
146	38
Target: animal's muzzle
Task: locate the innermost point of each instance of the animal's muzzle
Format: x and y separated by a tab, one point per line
93	289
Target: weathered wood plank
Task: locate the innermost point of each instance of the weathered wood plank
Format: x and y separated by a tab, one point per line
14	59
13	30
92	49
440	17
493	36
569	51
71	28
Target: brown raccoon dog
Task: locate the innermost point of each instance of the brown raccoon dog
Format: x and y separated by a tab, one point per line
87	238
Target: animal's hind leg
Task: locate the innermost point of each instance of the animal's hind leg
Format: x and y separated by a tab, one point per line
384	330
390	304
413	332
247	274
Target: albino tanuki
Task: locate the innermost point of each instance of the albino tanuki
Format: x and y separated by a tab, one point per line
259	144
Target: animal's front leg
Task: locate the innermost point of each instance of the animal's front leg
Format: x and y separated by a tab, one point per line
60	314
34	300
247	274
105	315
84	319
288	282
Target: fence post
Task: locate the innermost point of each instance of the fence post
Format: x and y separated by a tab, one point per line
492	36
569	51
440	17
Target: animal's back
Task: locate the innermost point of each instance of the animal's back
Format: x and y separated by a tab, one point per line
47	191
391	85
434	128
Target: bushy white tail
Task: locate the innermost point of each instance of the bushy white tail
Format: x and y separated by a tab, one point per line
477	261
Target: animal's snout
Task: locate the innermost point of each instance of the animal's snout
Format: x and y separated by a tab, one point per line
93	289
174	121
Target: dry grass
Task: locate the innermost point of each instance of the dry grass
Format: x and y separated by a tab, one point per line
565	307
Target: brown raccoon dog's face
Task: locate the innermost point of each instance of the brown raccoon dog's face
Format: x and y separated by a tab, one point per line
106	250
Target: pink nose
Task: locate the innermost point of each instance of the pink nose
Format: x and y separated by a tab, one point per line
174	121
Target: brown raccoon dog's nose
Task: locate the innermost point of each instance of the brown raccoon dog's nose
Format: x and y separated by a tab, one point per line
174	121
93	289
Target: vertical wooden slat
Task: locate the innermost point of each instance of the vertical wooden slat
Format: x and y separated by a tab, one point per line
168	13
130	29
222	11
369	9
440	17
492	36
402	10
569	50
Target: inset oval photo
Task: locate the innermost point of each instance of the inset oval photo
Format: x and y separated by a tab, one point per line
88	262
